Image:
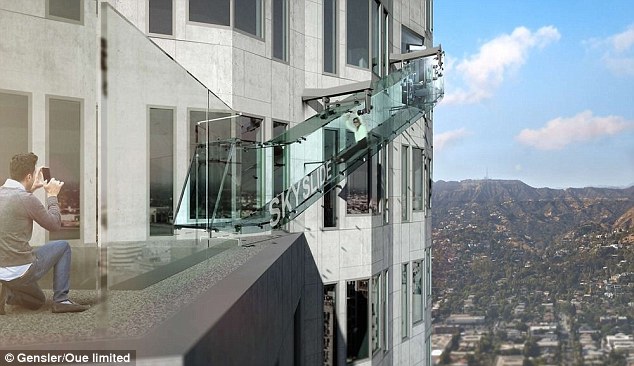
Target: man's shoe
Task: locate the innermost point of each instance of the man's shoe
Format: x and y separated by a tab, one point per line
70	307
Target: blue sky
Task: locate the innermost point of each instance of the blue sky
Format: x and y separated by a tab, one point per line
536	90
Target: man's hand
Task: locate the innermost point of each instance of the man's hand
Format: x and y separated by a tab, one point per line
39	180
53	187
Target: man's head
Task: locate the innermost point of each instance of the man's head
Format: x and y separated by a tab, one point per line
356	121
22	168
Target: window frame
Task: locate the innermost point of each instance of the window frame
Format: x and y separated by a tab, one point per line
148	168
47	14
335	39
287	20
161	35
369	38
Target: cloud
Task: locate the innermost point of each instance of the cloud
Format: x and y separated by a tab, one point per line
618	51
483	72
561	131
445	139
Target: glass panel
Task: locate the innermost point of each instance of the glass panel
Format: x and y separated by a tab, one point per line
210	11
280	29
14	129
417	166
160	16
357	320
358	33
376	313
64	151
417	291
140	163
404	183
248	16
330	36
404	303
331	328
331	145
67	9
161	171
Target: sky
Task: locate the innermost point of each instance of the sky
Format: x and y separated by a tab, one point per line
536	90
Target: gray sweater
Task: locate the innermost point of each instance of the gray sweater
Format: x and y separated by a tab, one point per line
18	210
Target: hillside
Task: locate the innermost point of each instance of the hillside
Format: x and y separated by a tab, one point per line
512	212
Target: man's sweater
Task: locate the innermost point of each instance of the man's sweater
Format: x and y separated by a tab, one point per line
18	210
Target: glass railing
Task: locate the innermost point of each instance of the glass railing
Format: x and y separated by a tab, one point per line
228	184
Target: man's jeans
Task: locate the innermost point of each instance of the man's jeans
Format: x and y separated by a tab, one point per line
26	292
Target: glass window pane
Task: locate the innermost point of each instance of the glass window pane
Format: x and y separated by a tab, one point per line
280	29
417	291
161	171
250	130
14	129
357	320
331	146
330	36
280	170
67	9
384	294
376	313
331	329
404	183
210	11
376	37
417	165
404	303
358	32
160	21
358	186
410	40
248	16
64	151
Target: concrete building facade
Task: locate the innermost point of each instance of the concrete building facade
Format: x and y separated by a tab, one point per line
83	87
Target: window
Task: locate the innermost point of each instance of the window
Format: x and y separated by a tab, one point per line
330	36
249	182
384	294
429	15
404	183
410	40
64	159
417	291
376	313
357	320
161	171
280	171
358	185
280	29
160	16
376	37
14	129
248	16
417	166
66	10
428	182
385	41
210	11
331	328
207	175
428	277
331	146
404	302
357	33
383	183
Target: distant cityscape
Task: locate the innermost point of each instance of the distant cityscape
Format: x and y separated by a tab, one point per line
505	296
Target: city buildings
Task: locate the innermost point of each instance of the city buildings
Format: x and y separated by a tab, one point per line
192	122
